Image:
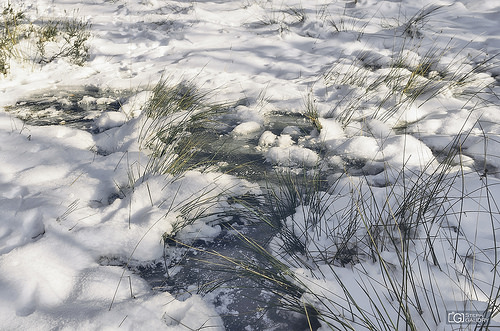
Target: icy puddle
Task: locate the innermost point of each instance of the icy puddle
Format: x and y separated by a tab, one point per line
74	107
240	301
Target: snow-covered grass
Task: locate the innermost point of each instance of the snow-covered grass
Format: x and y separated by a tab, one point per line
385	258
380	119
41	41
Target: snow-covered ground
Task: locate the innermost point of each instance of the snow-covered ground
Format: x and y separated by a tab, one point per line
382	85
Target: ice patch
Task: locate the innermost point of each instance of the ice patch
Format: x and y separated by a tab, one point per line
292	130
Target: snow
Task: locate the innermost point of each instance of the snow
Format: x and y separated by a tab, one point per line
292	156
110	120
71	197
267	139
246	128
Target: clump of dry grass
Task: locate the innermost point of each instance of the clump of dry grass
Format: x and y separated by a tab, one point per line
42	42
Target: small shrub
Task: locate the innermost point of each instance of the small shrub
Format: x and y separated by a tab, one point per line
66	39
52	39
10	35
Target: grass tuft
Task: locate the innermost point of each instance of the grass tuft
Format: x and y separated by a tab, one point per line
411	28
178	122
